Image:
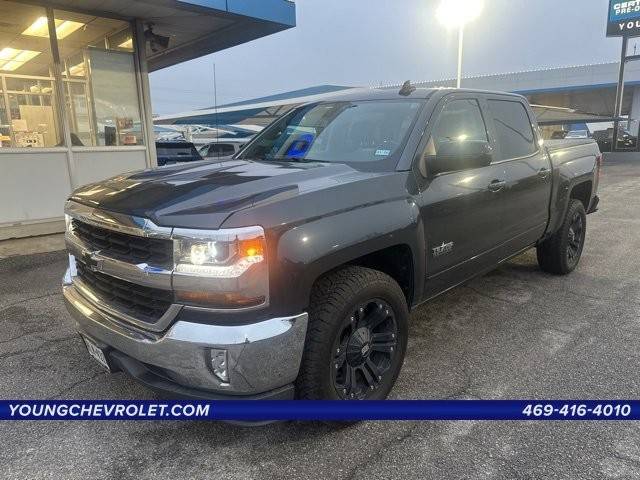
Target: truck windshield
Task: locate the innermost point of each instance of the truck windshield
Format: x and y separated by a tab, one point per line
340	132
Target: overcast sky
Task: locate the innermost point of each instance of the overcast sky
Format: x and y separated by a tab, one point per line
368	42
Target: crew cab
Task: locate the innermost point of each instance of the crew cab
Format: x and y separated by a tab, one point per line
290	270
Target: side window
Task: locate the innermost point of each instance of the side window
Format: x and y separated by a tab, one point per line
458	141
513	129
460	120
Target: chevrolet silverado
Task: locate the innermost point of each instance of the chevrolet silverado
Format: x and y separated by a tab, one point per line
290	270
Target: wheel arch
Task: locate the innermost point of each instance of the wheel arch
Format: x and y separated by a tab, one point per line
582	191
568	185
375	237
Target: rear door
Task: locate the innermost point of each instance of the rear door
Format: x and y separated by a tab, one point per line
462	210
527	166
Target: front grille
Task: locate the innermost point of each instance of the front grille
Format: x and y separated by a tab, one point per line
156	252
143	303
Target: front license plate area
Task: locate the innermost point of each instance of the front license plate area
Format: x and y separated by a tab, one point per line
97	352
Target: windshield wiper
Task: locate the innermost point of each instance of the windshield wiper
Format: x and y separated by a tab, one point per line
319	161
300	160
285	159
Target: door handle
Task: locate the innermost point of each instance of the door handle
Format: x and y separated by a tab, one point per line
497	185
543	173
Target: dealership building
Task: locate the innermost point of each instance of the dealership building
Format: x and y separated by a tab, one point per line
74	91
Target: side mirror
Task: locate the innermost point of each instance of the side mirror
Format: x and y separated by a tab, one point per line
458	155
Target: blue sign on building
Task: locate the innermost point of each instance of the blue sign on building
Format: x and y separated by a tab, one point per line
624	18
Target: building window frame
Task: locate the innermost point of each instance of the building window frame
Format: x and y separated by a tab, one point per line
136	56
58	98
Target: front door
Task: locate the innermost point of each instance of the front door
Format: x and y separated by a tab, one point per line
461	209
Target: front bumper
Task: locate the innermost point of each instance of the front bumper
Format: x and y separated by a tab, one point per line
263	358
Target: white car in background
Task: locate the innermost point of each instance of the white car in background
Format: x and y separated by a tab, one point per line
578	134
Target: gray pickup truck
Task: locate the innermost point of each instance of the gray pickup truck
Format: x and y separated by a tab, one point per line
290	270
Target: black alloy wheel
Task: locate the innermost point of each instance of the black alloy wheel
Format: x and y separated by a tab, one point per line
356	336
576	238
364	350
560	253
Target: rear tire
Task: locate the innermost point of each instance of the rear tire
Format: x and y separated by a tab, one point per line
561	252
356	339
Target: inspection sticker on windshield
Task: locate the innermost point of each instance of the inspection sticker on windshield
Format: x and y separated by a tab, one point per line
383	153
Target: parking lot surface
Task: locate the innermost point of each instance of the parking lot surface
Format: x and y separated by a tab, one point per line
514	333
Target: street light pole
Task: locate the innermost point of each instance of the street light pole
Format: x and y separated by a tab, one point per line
460	47
457	13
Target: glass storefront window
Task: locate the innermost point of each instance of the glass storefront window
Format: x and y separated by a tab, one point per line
97	74
99	78
28	115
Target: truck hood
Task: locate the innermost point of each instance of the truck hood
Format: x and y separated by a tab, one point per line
205	194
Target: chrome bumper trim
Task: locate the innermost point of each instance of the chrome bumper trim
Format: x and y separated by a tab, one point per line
262	356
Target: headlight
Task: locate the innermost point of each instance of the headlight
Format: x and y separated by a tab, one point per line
67	222
221	268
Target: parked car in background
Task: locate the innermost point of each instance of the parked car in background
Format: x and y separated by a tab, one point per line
577	134
223	149
172	152
627	140
290	271
605	139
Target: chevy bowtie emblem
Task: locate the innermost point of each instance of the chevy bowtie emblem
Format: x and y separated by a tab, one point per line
89	259
443	249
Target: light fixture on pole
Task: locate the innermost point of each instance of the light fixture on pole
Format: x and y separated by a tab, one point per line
456	14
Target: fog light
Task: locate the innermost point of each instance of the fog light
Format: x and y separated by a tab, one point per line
219	364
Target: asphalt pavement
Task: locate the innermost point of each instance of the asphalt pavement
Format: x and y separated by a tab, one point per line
514	333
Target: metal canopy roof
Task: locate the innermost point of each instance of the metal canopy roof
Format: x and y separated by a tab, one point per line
574	94
303	92
196	27
549	115
589	88
262	111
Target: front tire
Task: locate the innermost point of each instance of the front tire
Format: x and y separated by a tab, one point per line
356	339
561	253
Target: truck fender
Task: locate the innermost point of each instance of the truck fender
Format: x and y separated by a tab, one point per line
307	251
567	176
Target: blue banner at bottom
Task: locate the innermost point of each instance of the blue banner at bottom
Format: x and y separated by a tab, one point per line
258	411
